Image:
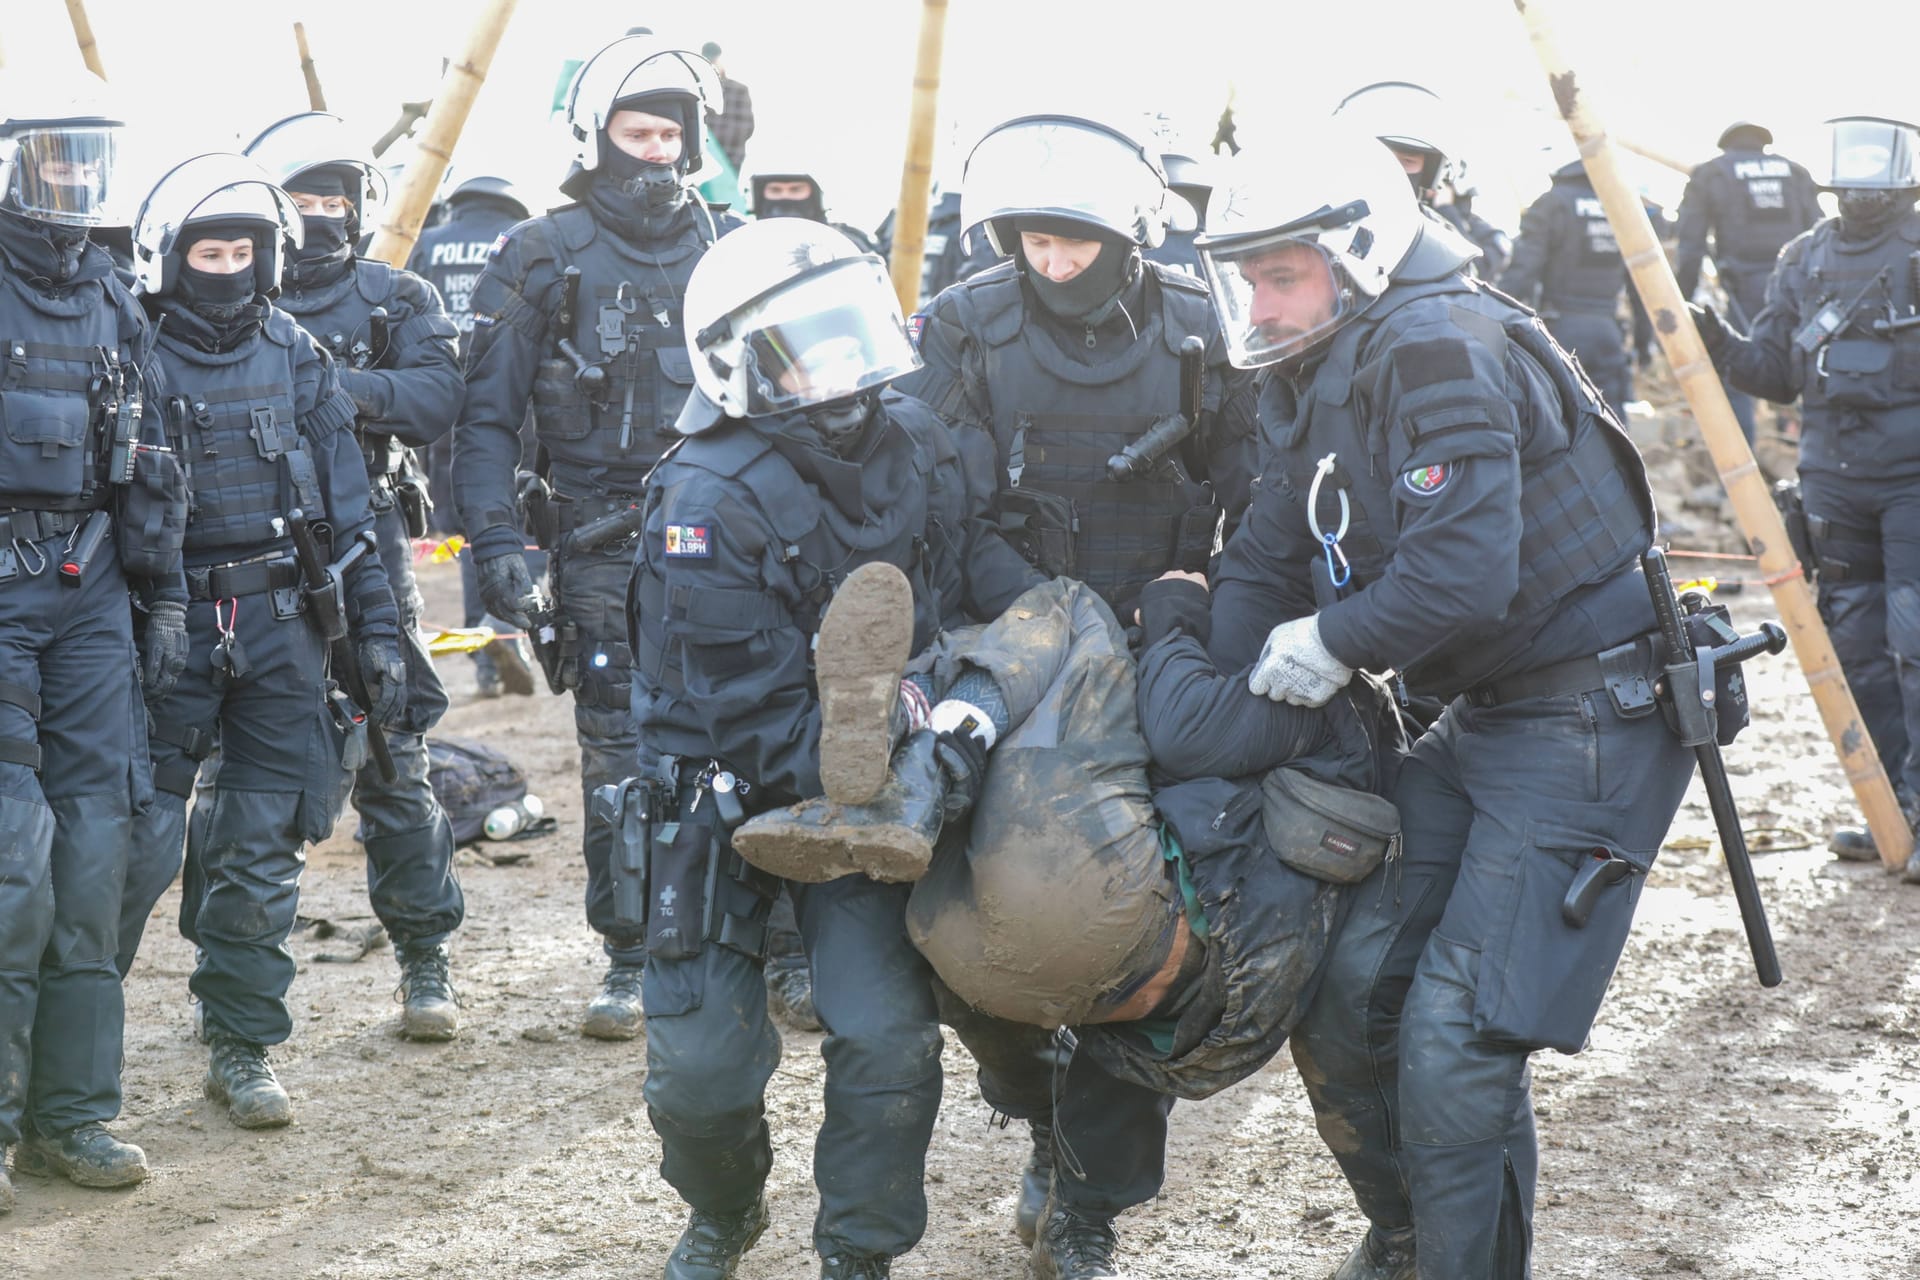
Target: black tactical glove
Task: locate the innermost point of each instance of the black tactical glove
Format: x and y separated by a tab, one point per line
369	392
507	588
1713	330
963	760
163	649
385	672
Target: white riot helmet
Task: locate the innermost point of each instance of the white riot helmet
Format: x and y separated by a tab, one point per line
58	141
1069	168
312	140
634	67
784	315
221	188
1296	249
1408	118
1872	153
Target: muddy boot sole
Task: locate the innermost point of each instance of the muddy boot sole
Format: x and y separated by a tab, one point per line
795	848
39	1162
860	655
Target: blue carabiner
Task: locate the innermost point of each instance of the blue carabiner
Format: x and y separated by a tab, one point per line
1337	567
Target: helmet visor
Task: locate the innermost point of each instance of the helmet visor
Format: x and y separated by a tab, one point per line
824	337
1063	169
64	174
1874	155
1277	298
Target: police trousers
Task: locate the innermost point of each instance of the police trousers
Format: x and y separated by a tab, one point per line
1874	614
410	878
1455	964
69	691
711	1049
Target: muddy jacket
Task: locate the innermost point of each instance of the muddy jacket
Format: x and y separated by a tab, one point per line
264	428
1059	399
1860	388
750	527
627	319
1565	258
1487	493
1748	204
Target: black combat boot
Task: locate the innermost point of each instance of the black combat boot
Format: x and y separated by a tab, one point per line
1036	1181
1072	1247
238	1075
615	1014
713	1243
1380	1255
87	1156
429	1010
855	1266
890	839
790	995
860	655
1852	844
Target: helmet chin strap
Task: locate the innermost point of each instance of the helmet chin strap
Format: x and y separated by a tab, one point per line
655	187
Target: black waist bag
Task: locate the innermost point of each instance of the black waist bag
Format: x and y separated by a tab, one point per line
1329	832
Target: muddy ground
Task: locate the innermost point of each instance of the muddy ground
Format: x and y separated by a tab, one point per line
1712	1129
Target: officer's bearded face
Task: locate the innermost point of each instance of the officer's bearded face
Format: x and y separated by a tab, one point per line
1293	293
1058	258
220	257
646	137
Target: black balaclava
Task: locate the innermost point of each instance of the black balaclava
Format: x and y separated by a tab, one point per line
640	198
1091	296
841	423
1865	213
813	208
43	251
327	252
211	310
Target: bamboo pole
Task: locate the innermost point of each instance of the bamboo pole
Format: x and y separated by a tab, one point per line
916	176
1665	159
433	151
83	32
1745	485
315	97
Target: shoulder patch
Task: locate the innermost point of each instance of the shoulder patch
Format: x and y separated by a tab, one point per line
916	324
689	542
1424	482
1422	364
499	243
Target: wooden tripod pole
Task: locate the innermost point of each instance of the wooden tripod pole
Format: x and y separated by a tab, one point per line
315	98
433	151
83	32
1746	487
916	177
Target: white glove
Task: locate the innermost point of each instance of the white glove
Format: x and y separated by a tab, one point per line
1296	667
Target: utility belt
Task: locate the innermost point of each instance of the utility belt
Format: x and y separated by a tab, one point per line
37	526
673	868
279	574
22	532
1838	553
601	519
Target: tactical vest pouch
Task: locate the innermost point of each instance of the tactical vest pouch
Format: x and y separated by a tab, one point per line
560	411
1856	372
1326	831
672	388
43	450
1906	360
682	879
150	525
1194	539
416	505
1041	527
1710	627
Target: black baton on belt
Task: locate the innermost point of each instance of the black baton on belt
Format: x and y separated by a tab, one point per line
1687	685
326	608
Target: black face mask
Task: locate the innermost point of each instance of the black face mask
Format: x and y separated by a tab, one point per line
654	187
325	236
215	297
808	208
841	423
1091	296
1865	214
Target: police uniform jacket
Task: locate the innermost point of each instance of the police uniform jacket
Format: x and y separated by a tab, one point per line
1565	258
1742	206
451	254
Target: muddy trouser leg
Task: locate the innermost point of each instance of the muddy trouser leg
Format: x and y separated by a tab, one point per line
882	1049
410	877
1110	1141
278	788
1900	544
1858	614
1595	340
1547	782
595	586
95	771
1016	1060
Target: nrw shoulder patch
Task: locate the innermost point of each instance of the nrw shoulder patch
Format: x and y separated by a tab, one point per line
1424	482
689	541
916	324
499	243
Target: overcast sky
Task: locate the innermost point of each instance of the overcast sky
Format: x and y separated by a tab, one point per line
831	78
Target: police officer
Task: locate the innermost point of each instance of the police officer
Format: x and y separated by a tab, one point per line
794	192
1838	330
74	536
1748	203
449	256
1566	263
578	313
1419	128
953	251
800	472
256	411
1446	496
403	372
1064	357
